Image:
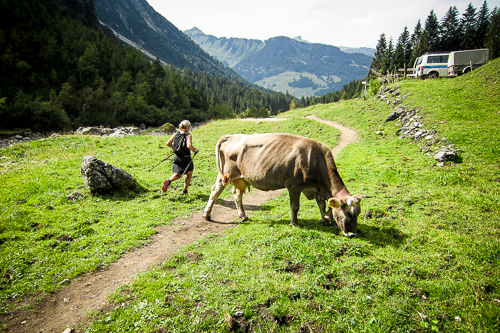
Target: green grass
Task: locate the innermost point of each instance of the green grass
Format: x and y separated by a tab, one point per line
426	258
46	239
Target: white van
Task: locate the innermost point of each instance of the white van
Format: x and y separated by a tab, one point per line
432	65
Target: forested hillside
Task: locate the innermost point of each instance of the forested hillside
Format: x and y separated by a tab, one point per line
140	23
58	74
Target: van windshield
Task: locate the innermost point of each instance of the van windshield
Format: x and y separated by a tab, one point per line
437	59
418	62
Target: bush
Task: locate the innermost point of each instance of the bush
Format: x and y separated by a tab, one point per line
167	128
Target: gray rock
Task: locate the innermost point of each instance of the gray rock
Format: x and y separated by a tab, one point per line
124	131
397	113
101	177
113	132
75	196
446	154
88	131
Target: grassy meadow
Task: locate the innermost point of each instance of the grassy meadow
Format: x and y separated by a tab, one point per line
426	258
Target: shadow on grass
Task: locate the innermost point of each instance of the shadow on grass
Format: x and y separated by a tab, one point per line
377	236
122	194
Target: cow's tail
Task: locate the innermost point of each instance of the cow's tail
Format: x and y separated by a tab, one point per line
220	159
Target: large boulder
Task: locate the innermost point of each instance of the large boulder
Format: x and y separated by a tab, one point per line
101	177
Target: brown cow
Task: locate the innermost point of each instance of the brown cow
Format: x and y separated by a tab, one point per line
275	161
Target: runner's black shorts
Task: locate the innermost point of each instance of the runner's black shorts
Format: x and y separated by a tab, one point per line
181	163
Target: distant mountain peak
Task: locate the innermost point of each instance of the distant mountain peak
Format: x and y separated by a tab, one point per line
299	38
194	31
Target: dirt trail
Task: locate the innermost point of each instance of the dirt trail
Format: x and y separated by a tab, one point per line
69	307
347	135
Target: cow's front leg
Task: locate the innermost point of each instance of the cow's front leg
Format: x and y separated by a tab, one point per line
294	203
238	199
326	215
214	195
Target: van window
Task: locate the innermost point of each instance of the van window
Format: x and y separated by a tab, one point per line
437	59
419	61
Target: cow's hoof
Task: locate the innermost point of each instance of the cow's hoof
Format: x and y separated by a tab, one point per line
207	218
244	219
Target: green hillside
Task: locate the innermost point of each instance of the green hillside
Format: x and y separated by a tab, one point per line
426	258
62	70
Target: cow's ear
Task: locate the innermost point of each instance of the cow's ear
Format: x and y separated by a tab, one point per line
334	203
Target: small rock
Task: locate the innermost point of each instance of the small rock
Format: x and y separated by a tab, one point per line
458	319
75	196
63	282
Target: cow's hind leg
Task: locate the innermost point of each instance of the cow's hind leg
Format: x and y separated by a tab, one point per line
214	195
239	188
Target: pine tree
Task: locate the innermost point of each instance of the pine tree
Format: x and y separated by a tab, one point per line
468	25
483	23
380	52
90	16
414	39
493	35
451	34
403	50
387	62
430	35
428	40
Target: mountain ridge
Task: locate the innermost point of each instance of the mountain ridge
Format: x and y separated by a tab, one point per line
286	64
136	21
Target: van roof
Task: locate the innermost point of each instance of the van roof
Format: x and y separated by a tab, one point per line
435	53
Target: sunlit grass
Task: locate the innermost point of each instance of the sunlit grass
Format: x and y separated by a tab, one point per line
426	258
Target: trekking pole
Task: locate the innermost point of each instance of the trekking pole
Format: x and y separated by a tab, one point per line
163	160
185	170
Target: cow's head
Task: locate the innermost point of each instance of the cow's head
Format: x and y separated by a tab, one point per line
345	212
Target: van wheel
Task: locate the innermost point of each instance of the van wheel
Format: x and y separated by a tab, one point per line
433	75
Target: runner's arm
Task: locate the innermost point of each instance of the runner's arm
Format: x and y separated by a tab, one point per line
171	141
189	144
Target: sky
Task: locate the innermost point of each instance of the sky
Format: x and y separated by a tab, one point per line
351	23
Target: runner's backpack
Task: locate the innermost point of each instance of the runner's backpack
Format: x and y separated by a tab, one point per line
179	142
